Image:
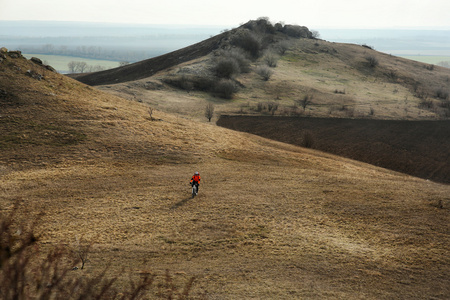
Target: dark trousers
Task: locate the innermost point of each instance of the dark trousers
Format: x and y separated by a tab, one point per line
196	183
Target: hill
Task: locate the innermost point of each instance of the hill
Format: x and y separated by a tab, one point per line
309	78
272	220
340	80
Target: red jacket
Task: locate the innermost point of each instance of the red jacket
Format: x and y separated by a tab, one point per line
195	178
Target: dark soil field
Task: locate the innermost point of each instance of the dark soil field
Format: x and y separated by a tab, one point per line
418	148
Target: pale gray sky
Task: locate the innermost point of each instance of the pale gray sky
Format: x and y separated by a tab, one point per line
434	14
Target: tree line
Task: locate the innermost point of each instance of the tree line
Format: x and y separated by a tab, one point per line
92	52
83	67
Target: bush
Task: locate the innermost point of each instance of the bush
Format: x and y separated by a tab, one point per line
441	93
426	103
227	67
372	61
190	82
283	46
264	71
307	139
271	59
392	75
225	88
297	31
250	42
239	56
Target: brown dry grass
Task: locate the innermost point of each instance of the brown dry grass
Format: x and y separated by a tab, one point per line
271	220
311	67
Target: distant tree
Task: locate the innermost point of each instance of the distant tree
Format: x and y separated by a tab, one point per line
123	63
81	67
315	34
209	111
72	66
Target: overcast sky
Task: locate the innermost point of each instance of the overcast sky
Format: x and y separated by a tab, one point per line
434	14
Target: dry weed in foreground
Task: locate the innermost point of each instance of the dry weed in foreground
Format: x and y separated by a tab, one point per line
26	274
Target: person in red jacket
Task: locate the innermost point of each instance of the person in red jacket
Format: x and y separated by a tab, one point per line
195	180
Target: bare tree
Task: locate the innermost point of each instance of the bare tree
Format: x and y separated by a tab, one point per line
209	111
72	66
150	112
307	99
81	67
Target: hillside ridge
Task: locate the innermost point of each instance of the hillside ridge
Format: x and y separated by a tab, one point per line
149	67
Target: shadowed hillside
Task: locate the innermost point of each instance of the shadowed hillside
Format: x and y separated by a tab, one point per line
149	67
272	220
418	148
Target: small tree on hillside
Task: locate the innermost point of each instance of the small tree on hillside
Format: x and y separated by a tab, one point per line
307	100
209	111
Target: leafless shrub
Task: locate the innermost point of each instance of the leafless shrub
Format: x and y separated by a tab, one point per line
150	113
190	82
392	75
315	34
426	103
429	67
441	93
240	57
272	107
307	139
81	250
250	42
209	111
264	71
259	107
371	111
305	101
282	46
347	110
227	67
372	61
271	59
336	91
225	88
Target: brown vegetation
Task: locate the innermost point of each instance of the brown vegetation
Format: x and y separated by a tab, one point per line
272	220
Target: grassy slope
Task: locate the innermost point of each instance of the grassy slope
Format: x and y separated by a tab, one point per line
311	67
271	220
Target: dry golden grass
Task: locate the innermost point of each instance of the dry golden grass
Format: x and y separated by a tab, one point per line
335	75
271	220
